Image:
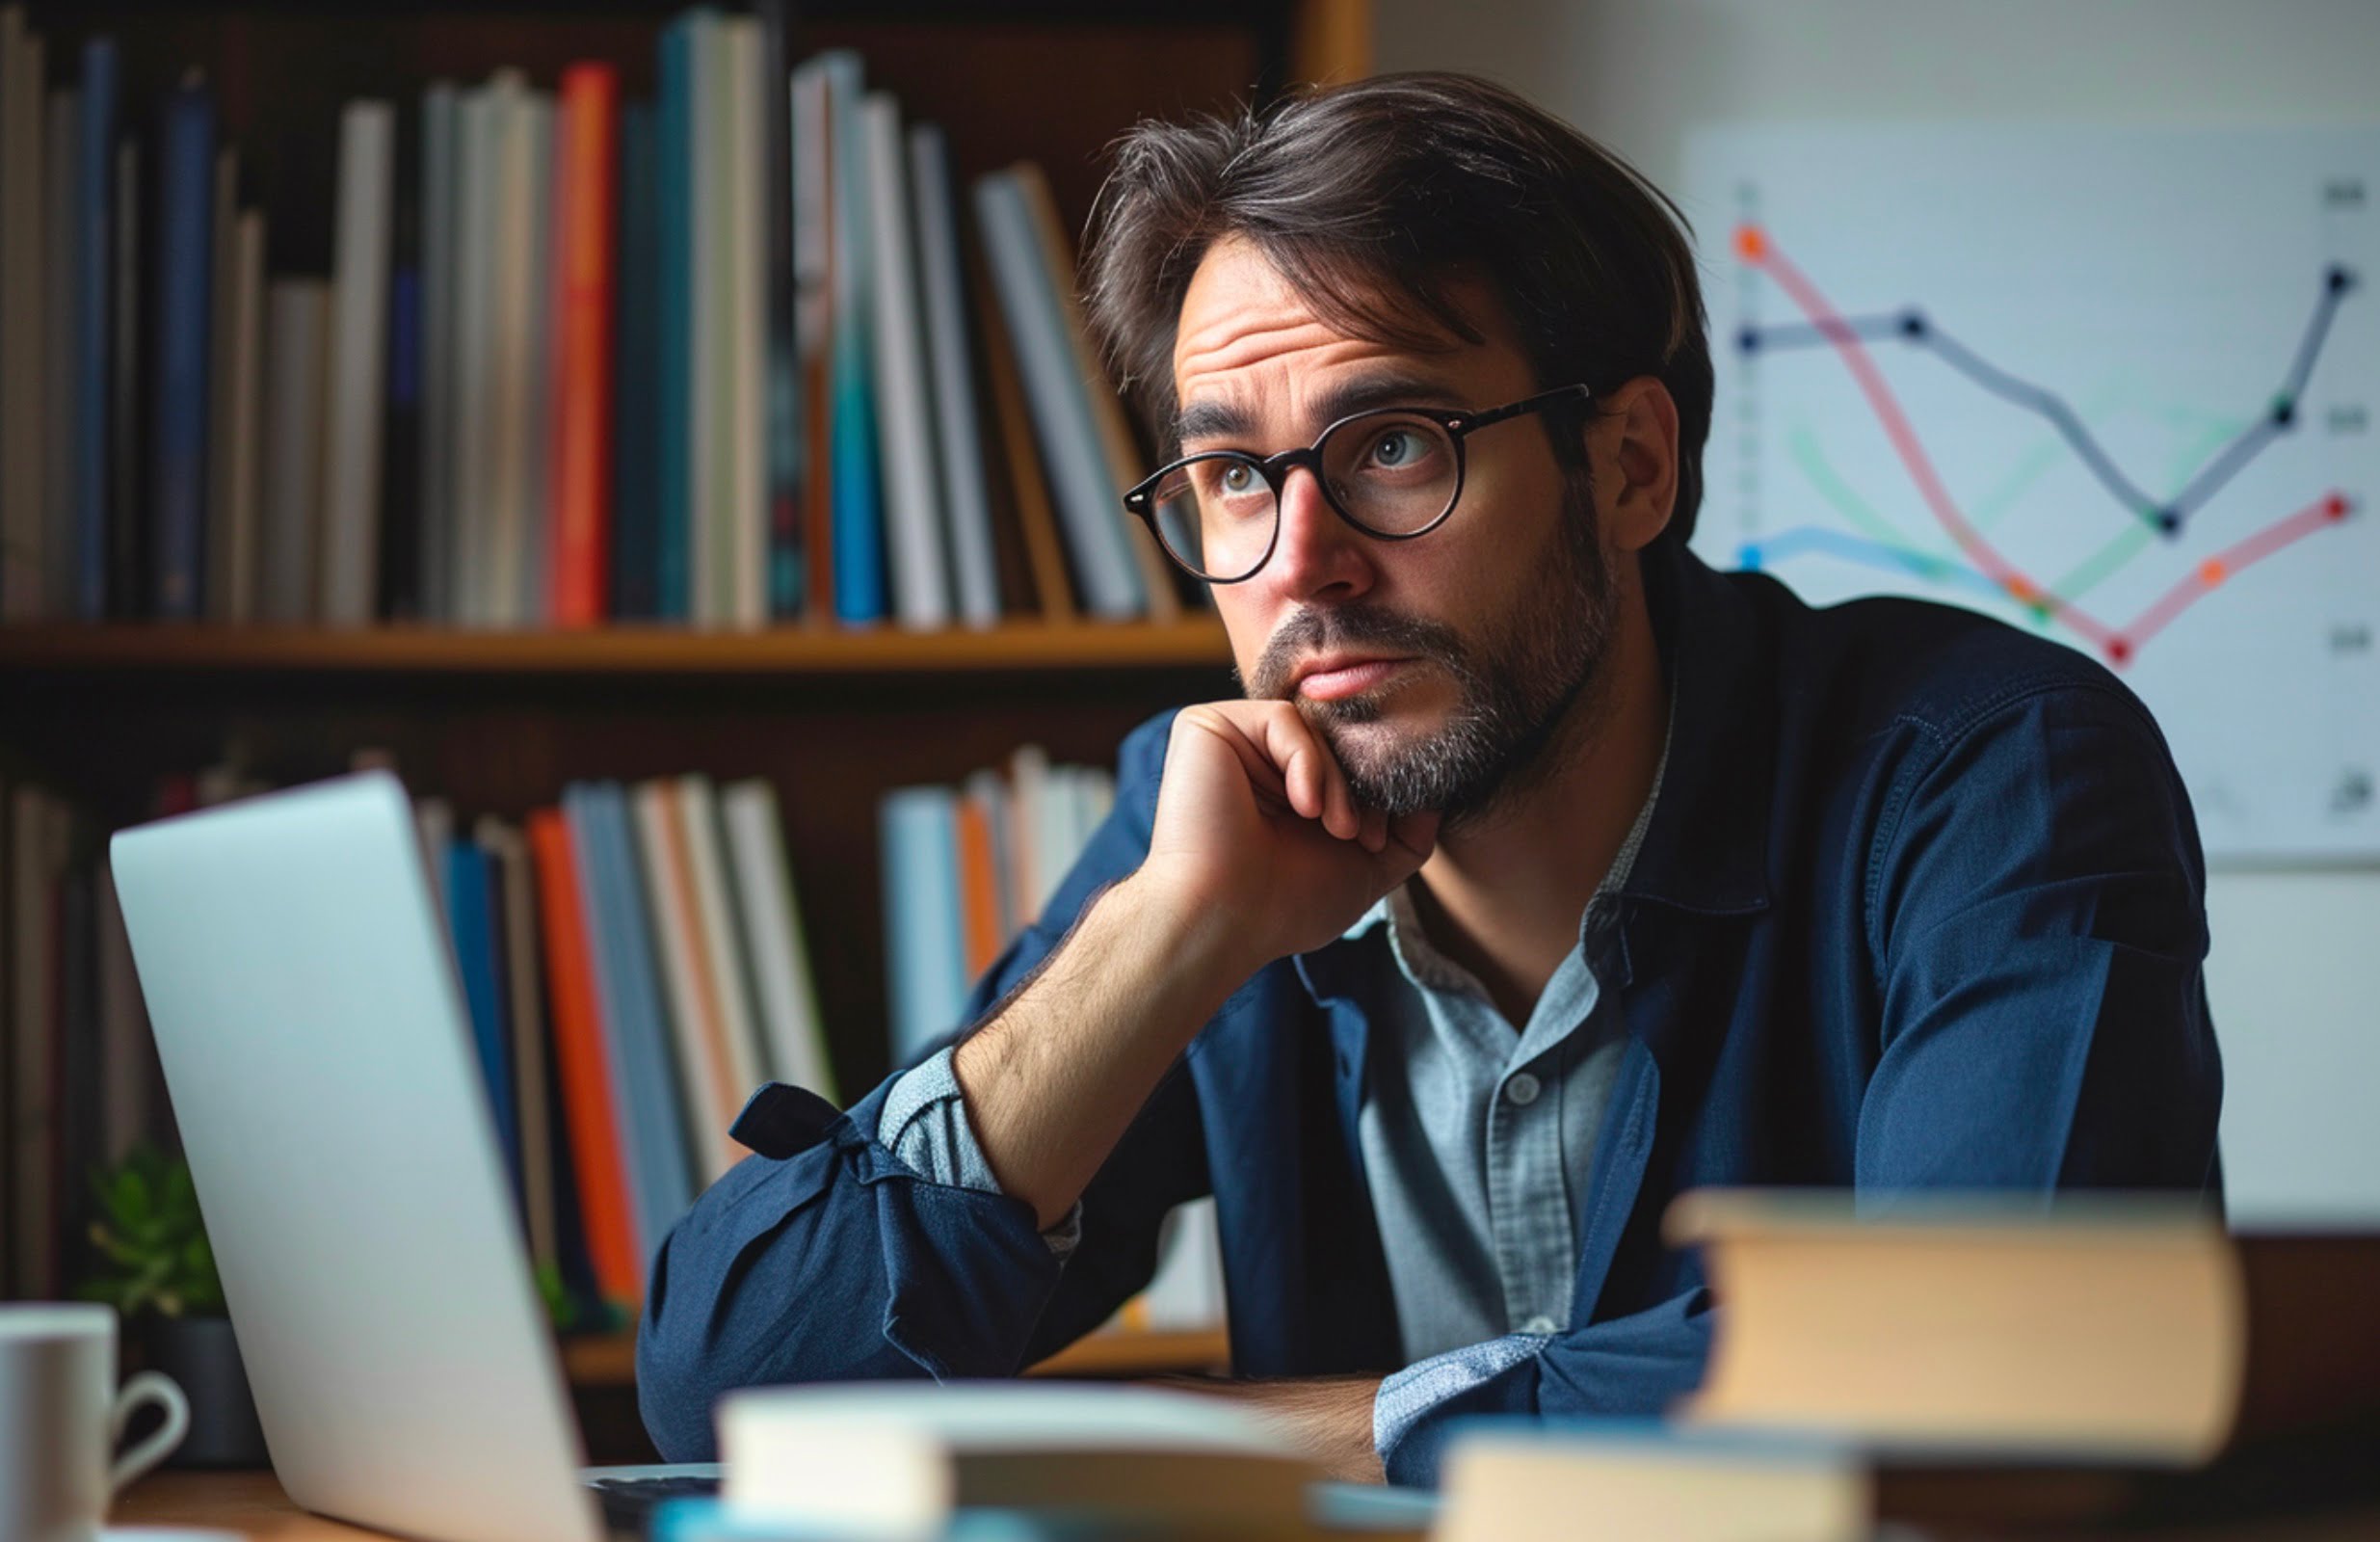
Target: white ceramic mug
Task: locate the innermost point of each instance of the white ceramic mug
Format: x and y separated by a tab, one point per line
61	1414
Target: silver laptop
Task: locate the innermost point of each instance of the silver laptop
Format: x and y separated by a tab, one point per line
318	1052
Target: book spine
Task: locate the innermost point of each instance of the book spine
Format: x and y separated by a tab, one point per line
540	313
127	518
673	131
589	137
904	404
960	457
240	442
786	583
97	213
185	300
402	587
223	273
62	273
1061	411
441	272
813	325
924	944
636	470
470	922
859	539
784	987
597	1142
747	483
359	351
22	506
297	324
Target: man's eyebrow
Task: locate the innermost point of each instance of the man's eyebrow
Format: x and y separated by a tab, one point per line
1211	420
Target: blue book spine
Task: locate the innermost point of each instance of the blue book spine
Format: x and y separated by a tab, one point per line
578	812
185	303
925	951
857	517
95	210
636	447
472	924
662	1137
673	131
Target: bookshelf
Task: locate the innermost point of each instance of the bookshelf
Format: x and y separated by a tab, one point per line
496	721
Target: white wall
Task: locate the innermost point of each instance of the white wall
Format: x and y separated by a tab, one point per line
2296	972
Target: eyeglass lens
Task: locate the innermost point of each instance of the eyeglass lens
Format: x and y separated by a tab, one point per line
1390	472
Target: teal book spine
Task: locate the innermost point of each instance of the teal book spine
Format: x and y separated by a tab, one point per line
858	519
472	924
925	953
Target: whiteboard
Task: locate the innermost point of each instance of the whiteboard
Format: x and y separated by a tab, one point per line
2114	385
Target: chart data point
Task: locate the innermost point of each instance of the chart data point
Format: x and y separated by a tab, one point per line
2284	413
1751	243
2337	506
2211	572
2119	652
2339	279
1749	339
1913	323
2169	520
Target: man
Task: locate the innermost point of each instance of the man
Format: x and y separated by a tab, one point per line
1543	876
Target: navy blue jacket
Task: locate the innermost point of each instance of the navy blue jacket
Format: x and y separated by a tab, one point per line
1921	904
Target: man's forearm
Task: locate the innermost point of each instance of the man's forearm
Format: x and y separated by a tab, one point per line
1327	1418
1052	1080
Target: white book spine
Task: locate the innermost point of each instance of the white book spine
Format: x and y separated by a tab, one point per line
723	942
1061	413
702	1078
296	360
904	409
775	943
966	509
351	465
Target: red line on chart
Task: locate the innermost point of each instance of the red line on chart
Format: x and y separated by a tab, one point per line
1753	247
2215	569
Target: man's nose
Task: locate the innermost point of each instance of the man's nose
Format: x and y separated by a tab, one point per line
1316	554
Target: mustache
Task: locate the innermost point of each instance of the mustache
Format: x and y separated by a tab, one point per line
1310	630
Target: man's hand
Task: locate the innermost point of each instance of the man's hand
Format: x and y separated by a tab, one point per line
1256	824
1257	850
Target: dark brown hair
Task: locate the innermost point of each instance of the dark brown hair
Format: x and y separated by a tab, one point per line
1370	199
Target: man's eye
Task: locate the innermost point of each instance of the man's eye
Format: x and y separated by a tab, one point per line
1395	447
1237	480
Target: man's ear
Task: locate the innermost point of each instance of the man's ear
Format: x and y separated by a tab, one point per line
1632	446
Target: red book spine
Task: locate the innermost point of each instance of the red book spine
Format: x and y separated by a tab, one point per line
598	1155
586	186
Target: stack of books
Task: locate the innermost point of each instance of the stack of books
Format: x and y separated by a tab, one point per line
1975	1365
735	356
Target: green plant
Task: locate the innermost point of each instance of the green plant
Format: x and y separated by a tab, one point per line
152	1240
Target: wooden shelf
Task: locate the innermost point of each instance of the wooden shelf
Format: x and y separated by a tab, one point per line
609	1359
669	650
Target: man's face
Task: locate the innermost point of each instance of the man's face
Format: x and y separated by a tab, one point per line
1437	668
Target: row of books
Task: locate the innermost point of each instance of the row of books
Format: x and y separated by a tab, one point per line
730	356
632	963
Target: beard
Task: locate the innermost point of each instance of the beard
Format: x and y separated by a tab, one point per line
1537	671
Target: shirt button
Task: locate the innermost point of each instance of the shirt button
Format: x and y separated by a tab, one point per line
1521	1090
1541	1323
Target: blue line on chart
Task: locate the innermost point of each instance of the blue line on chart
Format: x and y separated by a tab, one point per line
1819	539
1913	327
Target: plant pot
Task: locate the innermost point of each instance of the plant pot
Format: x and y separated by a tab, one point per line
203	1358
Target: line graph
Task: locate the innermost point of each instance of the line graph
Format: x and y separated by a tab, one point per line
2119	644
1916	328
2118	386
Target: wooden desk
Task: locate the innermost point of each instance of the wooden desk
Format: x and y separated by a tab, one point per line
251	1503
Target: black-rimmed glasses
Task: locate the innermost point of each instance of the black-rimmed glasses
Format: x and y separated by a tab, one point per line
1392	472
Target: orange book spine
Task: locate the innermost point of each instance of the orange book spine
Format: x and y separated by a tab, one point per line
585	188
597	1153
979	880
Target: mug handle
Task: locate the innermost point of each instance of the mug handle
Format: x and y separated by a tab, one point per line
144	1387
